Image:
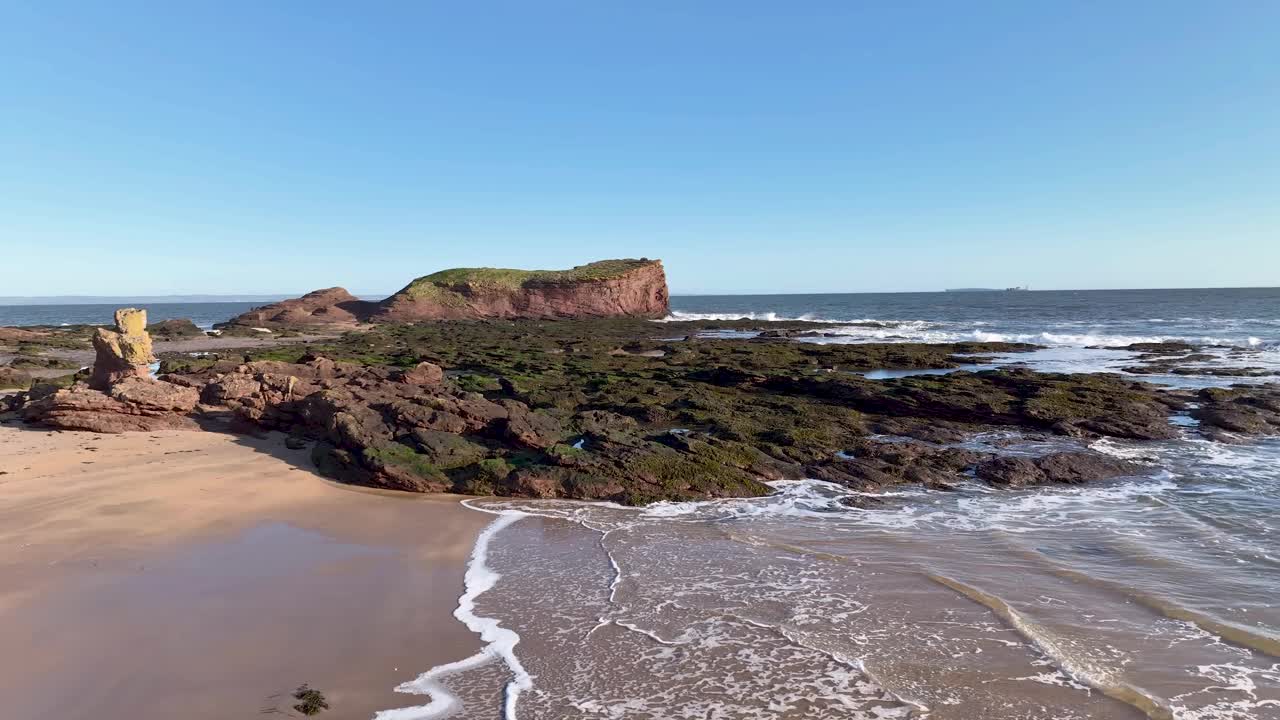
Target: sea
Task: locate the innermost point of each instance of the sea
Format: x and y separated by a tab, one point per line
1152	596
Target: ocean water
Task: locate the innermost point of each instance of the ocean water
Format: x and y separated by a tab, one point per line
1246	317
1152	596
204	314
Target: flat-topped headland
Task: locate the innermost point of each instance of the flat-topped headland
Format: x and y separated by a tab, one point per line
606	288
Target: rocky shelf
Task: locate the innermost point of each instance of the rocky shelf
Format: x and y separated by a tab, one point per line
633	411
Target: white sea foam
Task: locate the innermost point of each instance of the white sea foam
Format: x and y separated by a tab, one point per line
1062	334
678	316
501	642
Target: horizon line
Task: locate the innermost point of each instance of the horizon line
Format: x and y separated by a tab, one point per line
266	297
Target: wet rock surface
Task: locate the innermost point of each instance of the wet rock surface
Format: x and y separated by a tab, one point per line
1234	414
550	409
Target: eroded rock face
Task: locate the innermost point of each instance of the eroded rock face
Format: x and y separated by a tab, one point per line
122	353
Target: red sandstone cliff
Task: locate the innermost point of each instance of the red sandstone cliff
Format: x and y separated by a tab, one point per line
611	288
608	288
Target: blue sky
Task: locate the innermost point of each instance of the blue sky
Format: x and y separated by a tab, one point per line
261	147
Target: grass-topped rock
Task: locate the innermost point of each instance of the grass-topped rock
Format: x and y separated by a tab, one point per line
606	288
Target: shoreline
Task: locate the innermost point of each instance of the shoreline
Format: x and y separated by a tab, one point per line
203	575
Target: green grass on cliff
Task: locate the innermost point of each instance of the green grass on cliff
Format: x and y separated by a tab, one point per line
437	284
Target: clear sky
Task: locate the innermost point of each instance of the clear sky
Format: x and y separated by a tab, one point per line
261	147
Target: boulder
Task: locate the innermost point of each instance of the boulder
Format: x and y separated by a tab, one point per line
424	373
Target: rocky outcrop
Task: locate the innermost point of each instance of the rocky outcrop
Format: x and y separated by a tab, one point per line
122	353
417	431
120	395
133	404
329	308
609	288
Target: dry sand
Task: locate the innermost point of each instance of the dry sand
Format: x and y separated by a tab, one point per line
203	575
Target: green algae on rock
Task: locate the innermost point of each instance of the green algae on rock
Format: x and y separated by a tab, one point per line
631	411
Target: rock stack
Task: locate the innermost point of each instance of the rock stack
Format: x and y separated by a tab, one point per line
120	395
123	353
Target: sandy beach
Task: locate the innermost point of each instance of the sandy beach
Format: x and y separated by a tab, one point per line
207	575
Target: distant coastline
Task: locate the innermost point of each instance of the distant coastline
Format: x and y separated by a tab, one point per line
151	299
127	299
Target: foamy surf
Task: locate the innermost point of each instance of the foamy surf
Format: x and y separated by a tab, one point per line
850	329
500	641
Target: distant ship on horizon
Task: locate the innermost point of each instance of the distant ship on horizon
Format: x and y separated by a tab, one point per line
1022	288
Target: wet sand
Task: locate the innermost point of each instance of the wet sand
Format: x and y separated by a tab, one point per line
203	575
